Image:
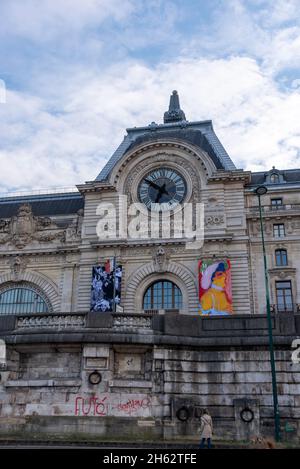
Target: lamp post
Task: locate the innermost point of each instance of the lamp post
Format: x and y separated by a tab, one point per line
261	190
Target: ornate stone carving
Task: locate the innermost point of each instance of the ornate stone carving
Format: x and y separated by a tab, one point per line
267	228
148	251
290	227
282	274
73	232
214	220
25	228
56	321
160	259
166	158
17	265
132	322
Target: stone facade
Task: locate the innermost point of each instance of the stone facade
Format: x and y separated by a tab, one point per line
72	371
114	377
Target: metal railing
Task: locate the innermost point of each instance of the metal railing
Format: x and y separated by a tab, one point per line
42	191
286	308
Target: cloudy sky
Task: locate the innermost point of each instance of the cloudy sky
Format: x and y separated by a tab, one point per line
78	72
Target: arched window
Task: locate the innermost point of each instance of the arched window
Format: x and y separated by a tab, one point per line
19	300
281	257
274	178
162	295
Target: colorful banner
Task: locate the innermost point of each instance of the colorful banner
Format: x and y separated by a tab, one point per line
102	289
215	296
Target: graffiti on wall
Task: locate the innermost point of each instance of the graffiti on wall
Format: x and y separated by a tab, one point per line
106	405
215	296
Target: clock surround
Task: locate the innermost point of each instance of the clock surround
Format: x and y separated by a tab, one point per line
162	188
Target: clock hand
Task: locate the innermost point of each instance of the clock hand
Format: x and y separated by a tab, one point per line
152	184
162	190
158	197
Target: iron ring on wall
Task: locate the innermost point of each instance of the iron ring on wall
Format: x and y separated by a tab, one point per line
95	377
244	417
183	414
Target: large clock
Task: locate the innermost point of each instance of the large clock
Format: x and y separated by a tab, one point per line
164	187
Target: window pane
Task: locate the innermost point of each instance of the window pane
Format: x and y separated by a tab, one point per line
278	230
21	300
284	296
162	295
281	257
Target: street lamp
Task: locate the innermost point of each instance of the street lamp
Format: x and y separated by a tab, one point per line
261	190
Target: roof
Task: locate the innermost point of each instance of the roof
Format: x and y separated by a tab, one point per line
43	205
200	134
287	176
175	126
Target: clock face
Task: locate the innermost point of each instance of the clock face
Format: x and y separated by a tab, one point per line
164	187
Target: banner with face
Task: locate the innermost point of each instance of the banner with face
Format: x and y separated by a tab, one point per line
215	295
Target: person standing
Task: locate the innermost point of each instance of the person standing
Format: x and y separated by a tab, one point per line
206	429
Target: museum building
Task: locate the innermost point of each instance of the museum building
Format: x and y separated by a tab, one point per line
115	335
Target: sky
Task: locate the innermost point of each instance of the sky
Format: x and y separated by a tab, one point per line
74	74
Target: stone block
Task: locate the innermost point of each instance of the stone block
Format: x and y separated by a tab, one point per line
99	320
7	322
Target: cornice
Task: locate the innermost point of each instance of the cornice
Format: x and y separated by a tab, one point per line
95	186
230	176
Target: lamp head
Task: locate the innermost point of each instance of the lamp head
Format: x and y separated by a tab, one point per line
261	190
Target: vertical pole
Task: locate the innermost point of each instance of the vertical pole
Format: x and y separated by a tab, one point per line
114	294
271	347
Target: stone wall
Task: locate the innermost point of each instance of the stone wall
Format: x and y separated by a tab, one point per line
120	377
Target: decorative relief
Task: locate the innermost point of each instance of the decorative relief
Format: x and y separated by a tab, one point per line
148	251
160	260
17	266
290	227
127	323
282	274
51	321
214	220
73	232
267	228
24	228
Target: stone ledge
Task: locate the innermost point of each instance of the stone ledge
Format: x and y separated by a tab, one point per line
43	383
211	341
120	383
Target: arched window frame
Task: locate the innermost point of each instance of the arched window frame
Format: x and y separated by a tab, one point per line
274	178
170	294
6	287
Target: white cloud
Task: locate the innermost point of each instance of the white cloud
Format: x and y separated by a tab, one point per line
46	19
266	30
257	123
62	127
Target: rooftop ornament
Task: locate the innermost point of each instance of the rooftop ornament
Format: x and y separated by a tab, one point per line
174	114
